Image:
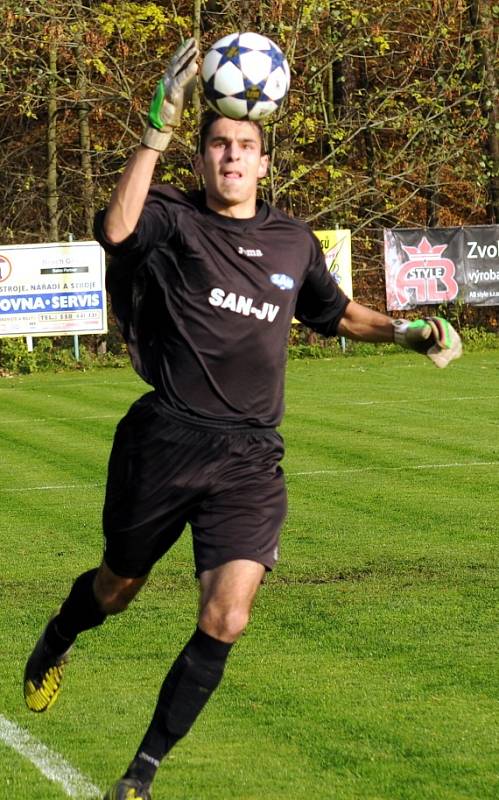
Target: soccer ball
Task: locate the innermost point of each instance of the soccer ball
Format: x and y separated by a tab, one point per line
245	76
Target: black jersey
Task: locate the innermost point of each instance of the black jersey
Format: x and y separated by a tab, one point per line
205	303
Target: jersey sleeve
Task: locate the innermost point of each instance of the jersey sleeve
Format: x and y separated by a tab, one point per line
321	303
132	290
156	224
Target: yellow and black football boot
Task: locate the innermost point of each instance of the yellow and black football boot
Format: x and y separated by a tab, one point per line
128	789
43	675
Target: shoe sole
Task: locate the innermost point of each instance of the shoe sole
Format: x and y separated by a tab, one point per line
40	698
112	794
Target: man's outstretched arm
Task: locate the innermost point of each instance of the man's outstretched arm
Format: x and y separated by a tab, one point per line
365	325
432	336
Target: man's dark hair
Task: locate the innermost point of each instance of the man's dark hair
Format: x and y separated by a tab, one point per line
207	120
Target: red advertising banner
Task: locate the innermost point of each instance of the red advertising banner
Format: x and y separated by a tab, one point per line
430	266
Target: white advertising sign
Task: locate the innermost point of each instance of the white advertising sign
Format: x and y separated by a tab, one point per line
52	289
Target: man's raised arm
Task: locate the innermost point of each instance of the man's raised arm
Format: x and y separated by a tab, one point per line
165	113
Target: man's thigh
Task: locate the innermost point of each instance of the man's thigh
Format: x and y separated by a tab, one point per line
242	515
163	474
148	495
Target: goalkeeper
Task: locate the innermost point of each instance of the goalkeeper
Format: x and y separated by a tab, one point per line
204	286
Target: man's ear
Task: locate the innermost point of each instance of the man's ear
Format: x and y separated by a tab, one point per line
198	164
264	165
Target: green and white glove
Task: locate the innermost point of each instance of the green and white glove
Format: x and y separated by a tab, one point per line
431	336
167	104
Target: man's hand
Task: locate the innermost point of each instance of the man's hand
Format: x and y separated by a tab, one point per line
167	104
432	336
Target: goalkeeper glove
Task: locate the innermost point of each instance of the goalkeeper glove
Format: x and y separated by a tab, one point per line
166	107
432	336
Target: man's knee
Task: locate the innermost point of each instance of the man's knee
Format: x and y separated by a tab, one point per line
113	603
224	624
227	594
114	593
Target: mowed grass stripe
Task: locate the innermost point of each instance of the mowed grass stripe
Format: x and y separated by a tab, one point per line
432	431
55	443
368	669
53	456
78	397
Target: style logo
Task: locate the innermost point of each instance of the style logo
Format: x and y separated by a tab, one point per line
282	281
426	277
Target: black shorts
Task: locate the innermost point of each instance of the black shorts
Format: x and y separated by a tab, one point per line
165	472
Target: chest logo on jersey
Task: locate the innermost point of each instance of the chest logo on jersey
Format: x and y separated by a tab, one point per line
240	304
282	281
244	251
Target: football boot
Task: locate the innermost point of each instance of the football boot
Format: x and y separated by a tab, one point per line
128	789
43	675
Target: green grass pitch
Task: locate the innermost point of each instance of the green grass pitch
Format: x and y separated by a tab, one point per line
369	669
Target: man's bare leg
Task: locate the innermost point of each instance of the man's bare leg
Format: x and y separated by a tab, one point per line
93	596
227	595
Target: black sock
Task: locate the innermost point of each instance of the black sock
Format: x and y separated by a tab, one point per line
79	612
187	688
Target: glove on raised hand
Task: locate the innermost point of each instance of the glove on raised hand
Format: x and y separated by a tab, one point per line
432	336
167	104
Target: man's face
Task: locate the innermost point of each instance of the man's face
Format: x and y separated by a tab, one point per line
231	165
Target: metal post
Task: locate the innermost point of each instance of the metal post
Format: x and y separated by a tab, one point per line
343	341
76	341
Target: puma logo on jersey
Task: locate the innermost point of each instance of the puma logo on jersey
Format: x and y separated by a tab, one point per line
248	252
242	305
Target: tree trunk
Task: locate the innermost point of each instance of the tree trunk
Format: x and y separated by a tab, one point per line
86	166
369	145
52	193
431	194
485	41
196	32
83	109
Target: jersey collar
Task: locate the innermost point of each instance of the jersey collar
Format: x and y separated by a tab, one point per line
231	223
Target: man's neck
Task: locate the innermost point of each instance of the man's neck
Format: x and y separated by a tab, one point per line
238	211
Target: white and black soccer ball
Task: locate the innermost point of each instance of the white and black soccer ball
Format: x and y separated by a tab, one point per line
245	76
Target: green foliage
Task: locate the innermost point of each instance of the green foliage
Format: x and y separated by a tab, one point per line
138	23
47	355
14	357
52	355
477	339
312	351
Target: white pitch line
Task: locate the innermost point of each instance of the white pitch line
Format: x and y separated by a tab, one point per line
56	487
51	764
337	403
379	468
375	468
417	400
14	420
